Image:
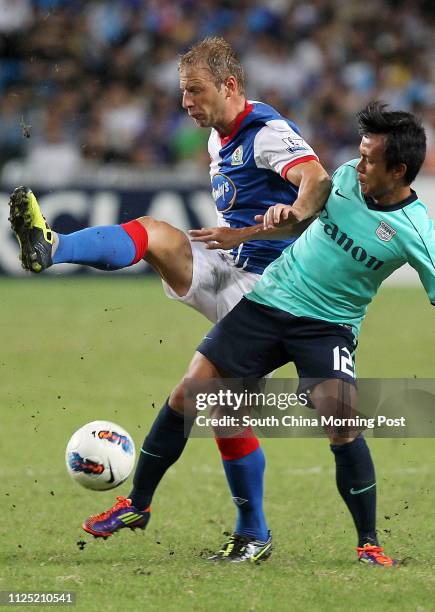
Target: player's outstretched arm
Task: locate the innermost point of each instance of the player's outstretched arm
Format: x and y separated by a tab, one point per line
229	238
280	221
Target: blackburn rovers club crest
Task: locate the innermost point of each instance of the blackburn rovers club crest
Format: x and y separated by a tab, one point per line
385	232
237	157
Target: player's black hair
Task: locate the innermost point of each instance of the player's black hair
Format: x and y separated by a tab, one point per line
405	139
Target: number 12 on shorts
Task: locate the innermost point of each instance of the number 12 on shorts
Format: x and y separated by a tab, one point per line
343	361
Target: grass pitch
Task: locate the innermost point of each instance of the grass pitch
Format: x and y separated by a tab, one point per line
75	350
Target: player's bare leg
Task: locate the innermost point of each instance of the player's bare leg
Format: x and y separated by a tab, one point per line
338	399
355	473
200	368
169	253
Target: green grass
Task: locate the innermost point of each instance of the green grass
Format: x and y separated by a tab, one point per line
75	350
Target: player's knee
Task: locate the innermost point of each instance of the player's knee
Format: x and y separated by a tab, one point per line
150	224
159	228
176	399
164	239
200	369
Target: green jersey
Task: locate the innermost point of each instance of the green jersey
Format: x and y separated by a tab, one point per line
335	268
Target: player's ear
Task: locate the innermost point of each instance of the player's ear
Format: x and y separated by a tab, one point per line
399	171
231	85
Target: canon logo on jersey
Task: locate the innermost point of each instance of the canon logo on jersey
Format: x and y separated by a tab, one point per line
358	253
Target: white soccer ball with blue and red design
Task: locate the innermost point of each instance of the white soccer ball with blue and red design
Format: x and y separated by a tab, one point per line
100	455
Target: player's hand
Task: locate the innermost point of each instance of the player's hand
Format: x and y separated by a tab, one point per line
279	215
217	237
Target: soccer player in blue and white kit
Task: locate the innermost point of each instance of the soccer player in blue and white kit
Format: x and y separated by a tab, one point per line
258	158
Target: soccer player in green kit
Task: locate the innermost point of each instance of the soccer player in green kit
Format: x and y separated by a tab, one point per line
309	304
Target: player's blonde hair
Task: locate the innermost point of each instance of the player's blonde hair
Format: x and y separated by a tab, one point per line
219	57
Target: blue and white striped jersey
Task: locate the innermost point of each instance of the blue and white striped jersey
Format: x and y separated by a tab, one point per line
247	171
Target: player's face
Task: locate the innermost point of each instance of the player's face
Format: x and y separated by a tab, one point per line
204	102
375	180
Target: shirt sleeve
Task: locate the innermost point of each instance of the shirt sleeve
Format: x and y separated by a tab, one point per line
278	147
421	254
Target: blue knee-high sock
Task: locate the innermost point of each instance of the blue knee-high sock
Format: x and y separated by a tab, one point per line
108	247
356	482
245	478
162	447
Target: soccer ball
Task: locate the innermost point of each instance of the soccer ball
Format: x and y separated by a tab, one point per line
100	455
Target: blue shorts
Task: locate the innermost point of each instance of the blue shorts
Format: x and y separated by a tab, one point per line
254	339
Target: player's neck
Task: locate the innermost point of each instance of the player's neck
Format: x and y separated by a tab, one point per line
394	196
235	109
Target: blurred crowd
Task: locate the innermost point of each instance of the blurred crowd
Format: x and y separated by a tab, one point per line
97	80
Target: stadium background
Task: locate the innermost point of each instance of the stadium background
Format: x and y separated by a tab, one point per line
90	102
90	117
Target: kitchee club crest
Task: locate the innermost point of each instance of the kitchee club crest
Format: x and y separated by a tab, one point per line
385	232
237	156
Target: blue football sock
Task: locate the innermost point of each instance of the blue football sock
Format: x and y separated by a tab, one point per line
245	478
106	247
162	447
356	482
